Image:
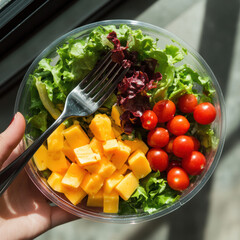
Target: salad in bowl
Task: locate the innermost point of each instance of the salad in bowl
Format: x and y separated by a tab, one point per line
149	148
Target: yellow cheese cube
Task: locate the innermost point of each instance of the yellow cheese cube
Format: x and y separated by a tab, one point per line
75	136
106	169
127	186
101	127
139	164
40	158
110	146
136	144
74	176
115	114
111	182
92	183
86	156
96	146
55	182
110	202
93	168
95	200
68	151
121	155
75	195
123	169
55	140
57	162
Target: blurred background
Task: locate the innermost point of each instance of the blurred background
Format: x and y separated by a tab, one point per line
212	27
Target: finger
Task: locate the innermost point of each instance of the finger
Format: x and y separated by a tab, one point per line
60	216
10	138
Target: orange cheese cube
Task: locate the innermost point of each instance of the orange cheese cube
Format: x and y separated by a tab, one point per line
55	140
74	176
86	156
68	151
136	144
95	200
115	114
55	182
121	155
123	169
139	164
92	183
106	169
110	146
101	127
75	136
96	146
111	182
57	162
75	195
93	168
127	186
110	202
40	158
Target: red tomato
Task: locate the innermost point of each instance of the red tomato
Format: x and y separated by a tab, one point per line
168	147
194	163
165	110
196	143
158	159
179	125
149	120
187	103
182	146
158	137
178	179
204	113
172	164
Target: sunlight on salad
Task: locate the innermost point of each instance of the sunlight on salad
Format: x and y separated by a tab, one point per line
145	145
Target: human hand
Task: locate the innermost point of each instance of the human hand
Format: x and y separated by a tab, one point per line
24	212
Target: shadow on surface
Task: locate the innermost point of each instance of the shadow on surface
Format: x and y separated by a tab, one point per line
217	43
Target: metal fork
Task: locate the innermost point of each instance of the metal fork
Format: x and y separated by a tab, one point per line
82	101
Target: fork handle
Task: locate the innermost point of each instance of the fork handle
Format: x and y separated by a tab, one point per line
8	174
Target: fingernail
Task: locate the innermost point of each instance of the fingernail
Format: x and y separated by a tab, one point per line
13	119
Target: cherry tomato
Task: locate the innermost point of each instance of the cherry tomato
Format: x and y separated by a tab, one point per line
196	143
149	120
172	164
178	179
158	159
204	113
179	125
182	146
187	103
165	110
168	147
194	163
158	137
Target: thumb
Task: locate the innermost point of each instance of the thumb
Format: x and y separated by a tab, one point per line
11	137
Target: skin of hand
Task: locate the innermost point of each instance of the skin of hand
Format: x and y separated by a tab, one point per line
24	212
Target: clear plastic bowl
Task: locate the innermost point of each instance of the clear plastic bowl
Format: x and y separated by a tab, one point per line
193	59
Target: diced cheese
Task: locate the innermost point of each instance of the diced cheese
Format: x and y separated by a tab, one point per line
123	169
55	140
75	195
40	158
121	155
96	146
74	176
55	182
111	182
110	202
95	200
110	146
127	186
68	151
85	155
75	136
92	183
106	169
136	144
57	162
139	164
